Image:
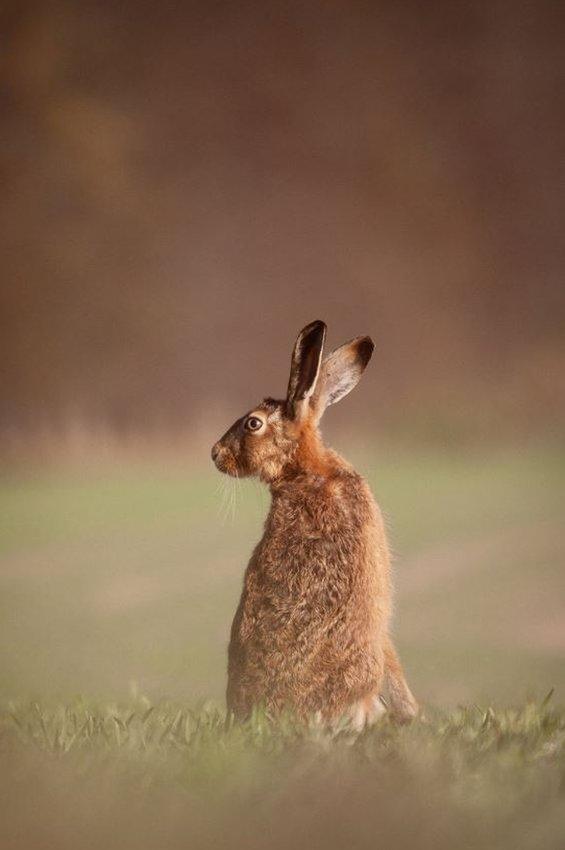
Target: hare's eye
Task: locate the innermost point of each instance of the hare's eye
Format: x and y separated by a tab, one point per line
253	423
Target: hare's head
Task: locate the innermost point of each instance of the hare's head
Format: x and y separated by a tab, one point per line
279	438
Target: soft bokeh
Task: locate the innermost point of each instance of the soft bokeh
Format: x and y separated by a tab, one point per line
184	187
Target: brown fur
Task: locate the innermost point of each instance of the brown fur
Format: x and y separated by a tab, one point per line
311	632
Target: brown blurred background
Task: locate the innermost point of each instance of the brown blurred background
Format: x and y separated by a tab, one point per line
185	185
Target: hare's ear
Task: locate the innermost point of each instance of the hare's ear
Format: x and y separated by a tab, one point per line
340	372
305	368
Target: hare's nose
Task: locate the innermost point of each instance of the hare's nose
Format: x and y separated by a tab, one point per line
215	451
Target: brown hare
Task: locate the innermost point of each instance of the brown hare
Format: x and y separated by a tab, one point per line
311	633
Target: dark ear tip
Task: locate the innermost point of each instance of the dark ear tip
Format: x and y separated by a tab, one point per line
365	348
312	334
316	326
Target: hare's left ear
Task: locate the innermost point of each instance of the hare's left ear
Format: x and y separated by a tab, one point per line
305	368
340	372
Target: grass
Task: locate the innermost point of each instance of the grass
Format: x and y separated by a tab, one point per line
122	581
165	776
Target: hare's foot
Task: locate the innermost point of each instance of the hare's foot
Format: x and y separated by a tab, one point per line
400	699
404	707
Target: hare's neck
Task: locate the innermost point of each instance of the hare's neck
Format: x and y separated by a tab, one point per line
312	457
310	473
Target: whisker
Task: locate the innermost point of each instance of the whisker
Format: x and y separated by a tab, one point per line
223	508
237	492
232	501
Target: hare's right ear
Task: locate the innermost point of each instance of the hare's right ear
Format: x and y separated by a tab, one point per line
305	368
341	372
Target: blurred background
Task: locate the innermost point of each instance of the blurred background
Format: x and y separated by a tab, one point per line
184	187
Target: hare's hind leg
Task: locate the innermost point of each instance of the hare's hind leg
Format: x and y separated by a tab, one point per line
403	706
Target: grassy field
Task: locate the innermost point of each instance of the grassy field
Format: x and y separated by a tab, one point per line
162	776
117	588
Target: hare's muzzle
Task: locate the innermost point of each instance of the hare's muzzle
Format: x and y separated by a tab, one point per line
223	459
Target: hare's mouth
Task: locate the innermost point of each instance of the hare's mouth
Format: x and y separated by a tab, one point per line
225	462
